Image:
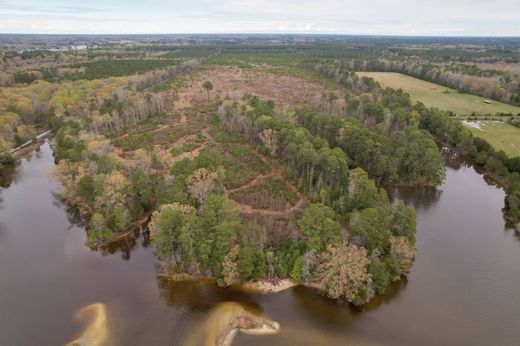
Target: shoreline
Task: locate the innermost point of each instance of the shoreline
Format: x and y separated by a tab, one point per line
28	147
500	182
265	287
258	287
25	150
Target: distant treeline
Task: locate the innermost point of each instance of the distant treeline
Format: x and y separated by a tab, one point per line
491	84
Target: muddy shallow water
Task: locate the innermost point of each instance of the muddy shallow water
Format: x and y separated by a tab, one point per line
463	289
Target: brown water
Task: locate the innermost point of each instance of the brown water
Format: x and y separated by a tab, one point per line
464	287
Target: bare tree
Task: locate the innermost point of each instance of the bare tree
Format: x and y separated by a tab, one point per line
200	184
208	86
269	138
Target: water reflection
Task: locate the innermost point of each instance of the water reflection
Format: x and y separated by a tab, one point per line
458	162
7	175
203	295
462	163
74	216
331	313
10	174
123	243
418	198
392	292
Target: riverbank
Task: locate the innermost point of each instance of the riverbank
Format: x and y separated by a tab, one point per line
500	181
22	151
260	286
28	147
264	286
256	287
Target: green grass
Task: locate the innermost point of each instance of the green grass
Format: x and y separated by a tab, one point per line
166	136
241	164
294	71
175	83
272	193
435	95
189	53
502	136
134	142
185	148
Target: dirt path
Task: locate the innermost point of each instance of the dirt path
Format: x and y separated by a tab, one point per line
131	163
249	210
181	141
227	82
274	173
247	185
210	140
188	155
182	105
195	152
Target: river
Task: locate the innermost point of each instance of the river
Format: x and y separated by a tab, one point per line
463	289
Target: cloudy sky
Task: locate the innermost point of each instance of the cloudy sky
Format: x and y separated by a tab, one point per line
381	17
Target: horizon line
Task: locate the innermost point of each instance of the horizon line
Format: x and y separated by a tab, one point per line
264	33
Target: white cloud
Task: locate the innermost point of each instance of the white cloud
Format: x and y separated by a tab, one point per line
396	17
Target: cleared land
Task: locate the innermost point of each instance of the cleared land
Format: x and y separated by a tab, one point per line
187	132
501	135
236	82
435	95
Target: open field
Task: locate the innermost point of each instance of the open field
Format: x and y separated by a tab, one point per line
236	82
435	95
502	136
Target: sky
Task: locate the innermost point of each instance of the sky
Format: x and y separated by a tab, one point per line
366	17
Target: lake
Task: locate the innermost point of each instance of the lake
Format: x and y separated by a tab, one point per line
463	289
